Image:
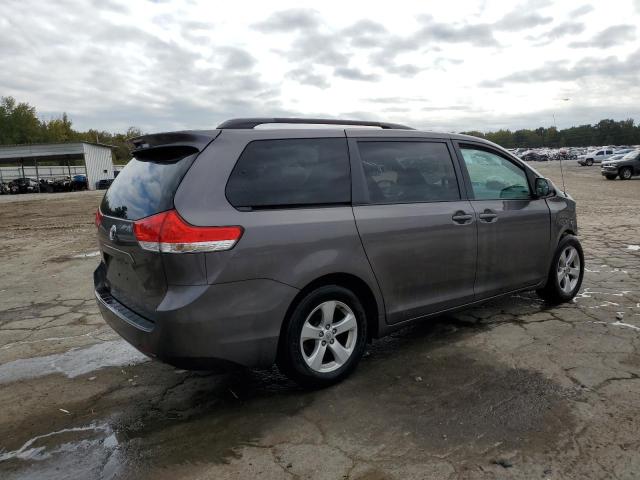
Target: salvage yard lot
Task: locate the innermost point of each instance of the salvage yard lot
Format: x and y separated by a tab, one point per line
511	389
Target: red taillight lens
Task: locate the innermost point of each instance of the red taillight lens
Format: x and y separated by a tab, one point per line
168	232
147	231
98	220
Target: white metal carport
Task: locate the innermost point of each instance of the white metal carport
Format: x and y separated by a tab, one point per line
97	159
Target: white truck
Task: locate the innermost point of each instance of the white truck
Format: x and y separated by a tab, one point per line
595	156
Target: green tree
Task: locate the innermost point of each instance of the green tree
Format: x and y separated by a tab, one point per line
18	122
605	132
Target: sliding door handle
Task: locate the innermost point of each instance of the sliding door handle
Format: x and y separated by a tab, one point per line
488	216
462	217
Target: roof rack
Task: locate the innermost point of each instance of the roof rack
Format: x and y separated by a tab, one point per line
242	123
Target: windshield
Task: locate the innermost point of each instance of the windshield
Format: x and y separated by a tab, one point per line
631	155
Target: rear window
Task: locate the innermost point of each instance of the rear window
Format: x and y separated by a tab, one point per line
291	173
144	187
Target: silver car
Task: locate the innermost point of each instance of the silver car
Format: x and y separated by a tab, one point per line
595	156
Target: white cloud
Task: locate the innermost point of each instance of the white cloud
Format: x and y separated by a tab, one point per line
191	64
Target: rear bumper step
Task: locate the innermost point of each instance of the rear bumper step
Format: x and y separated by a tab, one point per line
123	313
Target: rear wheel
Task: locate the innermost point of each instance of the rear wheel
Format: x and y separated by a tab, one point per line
626	173
566	273
610	177
324	338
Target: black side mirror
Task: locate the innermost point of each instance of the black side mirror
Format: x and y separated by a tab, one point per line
543	188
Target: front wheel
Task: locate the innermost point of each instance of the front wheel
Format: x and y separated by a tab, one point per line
325	337
566	273
589	162
626	173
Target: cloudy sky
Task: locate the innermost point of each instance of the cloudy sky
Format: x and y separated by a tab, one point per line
441	65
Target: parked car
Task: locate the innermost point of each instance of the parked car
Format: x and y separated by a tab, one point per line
23	185
297	246
79	182
46	185
534	157
596	156
624	166
104	183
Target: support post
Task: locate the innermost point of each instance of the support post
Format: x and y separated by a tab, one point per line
35	162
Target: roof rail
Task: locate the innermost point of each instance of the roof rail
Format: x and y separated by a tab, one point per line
241	123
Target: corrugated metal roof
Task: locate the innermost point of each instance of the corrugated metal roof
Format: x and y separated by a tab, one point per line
16	152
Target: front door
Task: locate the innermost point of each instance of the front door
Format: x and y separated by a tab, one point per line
513	226
417	231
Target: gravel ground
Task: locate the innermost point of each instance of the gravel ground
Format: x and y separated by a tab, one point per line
511	389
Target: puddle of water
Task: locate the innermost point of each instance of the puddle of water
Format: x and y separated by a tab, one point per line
90	451
74	362
44	446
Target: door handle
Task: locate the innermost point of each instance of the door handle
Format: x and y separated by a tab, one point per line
462	217
488	216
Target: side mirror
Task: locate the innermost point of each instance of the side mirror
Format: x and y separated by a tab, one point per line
543	188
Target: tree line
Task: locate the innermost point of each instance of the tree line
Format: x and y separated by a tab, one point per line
19	124
605	132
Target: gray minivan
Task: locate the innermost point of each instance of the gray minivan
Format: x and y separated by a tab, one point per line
247	245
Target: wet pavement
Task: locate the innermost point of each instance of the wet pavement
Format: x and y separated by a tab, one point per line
511	389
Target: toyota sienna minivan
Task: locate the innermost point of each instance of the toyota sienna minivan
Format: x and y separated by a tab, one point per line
247	245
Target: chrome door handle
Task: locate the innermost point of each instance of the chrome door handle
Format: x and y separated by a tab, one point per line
462	217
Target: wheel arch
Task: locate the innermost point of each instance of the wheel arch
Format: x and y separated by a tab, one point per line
623	169
359	287
554	246
563	233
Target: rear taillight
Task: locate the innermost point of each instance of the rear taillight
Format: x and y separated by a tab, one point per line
98	220
167	232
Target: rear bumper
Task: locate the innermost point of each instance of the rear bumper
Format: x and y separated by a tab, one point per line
205	326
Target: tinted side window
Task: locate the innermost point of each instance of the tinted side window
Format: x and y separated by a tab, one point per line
494	177
408	172
289	173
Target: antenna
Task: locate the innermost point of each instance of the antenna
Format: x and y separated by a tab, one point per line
564	190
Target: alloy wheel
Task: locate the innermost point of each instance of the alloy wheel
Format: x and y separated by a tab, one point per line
328	336
568	269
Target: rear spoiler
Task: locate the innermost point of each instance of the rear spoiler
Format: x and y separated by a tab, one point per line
172	145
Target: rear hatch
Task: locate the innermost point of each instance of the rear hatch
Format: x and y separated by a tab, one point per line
146	186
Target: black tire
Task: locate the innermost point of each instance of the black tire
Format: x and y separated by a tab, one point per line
589	162
552	291
610	177
626	173
290	355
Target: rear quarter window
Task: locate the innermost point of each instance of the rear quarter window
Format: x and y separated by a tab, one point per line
145	187
291	173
